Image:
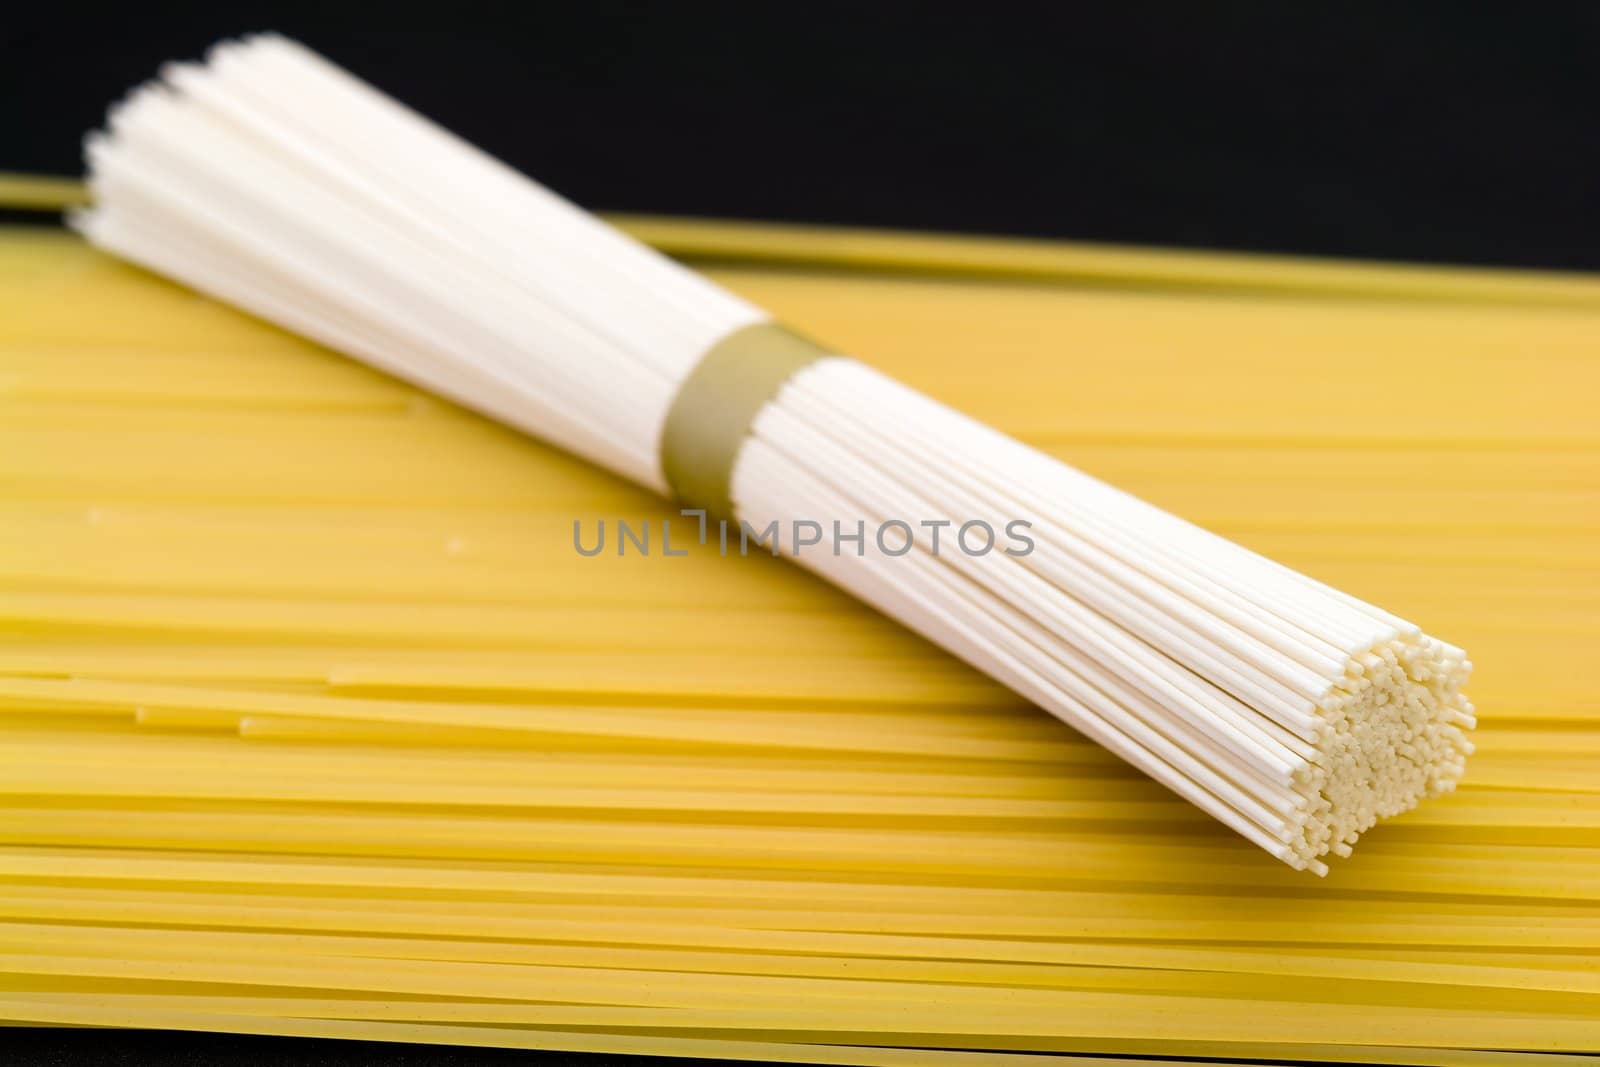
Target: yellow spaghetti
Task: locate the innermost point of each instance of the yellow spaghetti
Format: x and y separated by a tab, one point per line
312	722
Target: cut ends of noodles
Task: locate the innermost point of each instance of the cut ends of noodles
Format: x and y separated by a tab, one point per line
1295	714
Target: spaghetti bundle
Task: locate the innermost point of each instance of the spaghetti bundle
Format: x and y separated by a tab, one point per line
312	723
1295	714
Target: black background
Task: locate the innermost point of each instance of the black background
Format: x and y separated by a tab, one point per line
1431	131
1445	132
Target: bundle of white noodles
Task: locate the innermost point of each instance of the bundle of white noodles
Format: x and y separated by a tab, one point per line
273	180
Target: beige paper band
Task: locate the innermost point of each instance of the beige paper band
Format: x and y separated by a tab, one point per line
716	405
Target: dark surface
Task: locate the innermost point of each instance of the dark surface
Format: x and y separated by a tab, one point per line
1442	132
136	1048
1427	131
144	1048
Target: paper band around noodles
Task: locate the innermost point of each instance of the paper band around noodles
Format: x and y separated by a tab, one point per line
716	405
